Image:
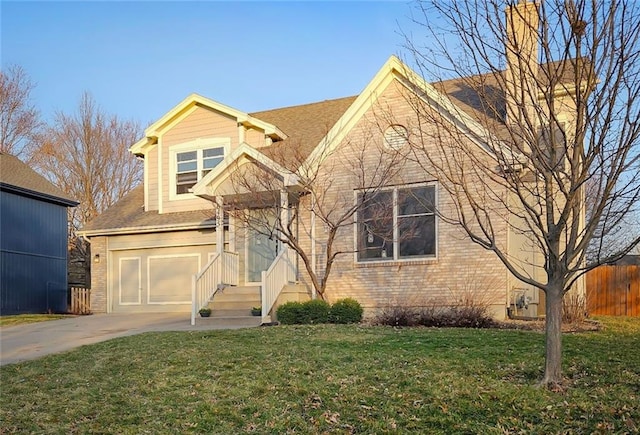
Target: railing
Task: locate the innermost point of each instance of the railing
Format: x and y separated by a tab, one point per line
204	285
222	269
280	273
230	265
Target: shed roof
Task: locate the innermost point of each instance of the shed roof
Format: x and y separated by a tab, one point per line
17	177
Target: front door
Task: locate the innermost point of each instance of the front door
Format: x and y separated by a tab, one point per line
261	249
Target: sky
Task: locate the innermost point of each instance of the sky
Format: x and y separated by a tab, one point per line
140	59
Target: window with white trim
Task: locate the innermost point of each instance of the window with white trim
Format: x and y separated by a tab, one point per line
396	224
191	165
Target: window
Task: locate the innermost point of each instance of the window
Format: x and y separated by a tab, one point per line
397	224
396	136
192	165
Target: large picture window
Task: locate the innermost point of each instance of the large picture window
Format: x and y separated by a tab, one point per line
398	223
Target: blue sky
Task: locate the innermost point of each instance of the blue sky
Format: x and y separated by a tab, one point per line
139	59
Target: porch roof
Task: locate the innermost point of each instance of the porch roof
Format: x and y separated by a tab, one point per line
217	181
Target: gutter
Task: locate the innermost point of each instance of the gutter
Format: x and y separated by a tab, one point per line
145	229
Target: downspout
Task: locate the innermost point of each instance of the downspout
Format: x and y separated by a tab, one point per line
313	243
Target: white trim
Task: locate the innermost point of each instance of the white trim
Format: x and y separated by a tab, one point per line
145	177
175	245
160	181
201	188
190	103
197	145
396	244
149	258
120	260
241	133
144	230
392	70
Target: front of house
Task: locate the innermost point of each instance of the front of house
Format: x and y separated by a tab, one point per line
188	236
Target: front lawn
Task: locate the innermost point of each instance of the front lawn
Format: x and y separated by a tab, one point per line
338	379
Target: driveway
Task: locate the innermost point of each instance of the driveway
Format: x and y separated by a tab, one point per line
31	341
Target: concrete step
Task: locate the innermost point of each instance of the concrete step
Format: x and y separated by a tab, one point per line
226	313
234	305
237	298
246	289
232	322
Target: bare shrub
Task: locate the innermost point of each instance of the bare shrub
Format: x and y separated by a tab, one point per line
397	315
574	308
458	316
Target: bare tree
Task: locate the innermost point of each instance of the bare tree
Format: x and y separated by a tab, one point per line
320	208
86	155
19	119
551	95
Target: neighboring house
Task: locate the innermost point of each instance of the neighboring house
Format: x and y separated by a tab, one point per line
148	247
33	241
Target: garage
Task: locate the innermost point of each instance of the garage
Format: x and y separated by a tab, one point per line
155	280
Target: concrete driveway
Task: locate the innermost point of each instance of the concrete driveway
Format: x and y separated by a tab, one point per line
31	341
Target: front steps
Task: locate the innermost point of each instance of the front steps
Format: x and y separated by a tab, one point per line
229	322
235	302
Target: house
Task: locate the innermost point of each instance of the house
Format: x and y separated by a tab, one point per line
33	240
202	229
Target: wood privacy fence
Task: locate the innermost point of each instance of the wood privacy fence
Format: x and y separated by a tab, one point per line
614	290
80	300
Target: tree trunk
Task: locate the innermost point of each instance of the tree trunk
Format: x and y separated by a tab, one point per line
553	362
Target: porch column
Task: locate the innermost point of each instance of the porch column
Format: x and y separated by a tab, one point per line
219	224
284	213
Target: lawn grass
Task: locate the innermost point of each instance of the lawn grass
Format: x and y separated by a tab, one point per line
21	319
329	379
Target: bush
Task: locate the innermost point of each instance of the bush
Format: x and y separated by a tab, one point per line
462	316
397	315
465	315
315	311
290	313
346	311
574	308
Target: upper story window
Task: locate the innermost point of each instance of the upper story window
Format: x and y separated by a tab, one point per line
398	223
192	161
396	136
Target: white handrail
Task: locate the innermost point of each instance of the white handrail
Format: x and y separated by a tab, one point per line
280	273
230	268
222	269
204	284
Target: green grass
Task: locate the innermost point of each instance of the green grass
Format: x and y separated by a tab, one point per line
21	319
329	379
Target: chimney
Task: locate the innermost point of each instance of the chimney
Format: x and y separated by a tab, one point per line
522	32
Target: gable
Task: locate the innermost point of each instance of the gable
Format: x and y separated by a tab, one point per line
201	122
186	107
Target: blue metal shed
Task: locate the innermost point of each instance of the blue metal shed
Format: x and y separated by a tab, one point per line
33	241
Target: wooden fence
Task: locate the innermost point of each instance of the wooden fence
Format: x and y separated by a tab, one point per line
80	302
614	290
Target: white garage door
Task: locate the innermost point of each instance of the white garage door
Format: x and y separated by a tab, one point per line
155	280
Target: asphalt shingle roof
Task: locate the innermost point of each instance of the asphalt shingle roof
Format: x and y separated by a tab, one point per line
17	174
128	213
305	126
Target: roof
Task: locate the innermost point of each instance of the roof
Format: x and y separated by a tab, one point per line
17	177
305	126
128	216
